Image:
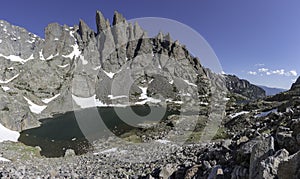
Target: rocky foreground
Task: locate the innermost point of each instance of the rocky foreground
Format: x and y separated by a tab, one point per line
256	140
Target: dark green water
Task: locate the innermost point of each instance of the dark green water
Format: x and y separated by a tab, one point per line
76	130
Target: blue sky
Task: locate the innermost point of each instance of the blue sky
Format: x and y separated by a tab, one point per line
256	40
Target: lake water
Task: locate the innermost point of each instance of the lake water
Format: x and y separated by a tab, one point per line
69	130
264	114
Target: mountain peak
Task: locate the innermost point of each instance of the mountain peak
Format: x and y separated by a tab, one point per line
118	18
101	22
296	84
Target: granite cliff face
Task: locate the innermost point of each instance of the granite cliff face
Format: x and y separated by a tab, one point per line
117	65
244	88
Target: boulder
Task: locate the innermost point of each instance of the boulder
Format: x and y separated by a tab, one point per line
269	167
260	151
70	153
290	167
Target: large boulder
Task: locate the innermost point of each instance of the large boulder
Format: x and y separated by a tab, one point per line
269	167
260	151
290	167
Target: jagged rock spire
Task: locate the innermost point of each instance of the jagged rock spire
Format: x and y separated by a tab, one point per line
138	31
101	22
118	18
85	32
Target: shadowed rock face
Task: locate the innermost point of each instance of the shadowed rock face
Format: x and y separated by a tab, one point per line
118	64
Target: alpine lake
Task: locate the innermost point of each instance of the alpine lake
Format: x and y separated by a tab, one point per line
77	129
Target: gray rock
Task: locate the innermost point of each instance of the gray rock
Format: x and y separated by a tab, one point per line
290	167
240	172
70	153
85	32
77	61
269	167
286	140
192	172
244	88
167	171
100	22
118	18
261	151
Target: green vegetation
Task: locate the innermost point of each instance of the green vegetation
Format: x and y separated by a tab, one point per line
221	134
22	151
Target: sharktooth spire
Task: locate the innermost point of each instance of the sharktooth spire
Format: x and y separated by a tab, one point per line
118	18
101	22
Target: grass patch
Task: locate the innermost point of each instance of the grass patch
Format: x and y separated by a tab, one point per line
22	151
221	134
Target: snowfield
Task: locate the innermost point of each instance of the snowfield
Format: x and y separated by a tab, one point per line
8	135
37	109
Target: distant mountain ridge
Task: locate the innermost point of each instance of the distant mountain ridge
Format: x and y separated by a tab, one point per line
272	91
244	87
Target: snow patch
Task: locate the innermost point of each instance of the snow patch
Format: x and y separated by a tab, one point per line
84	62
8	135
189	83
41	55
97	68
37	109
146	98
144	92
30	58
52	56
117	97
0	41
76	52
87	102
4	159
30	41
178	102
238	114
264	114
15	58
48	100
9	80
5	88
93	102
109	74
203	103
162	141
63	66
